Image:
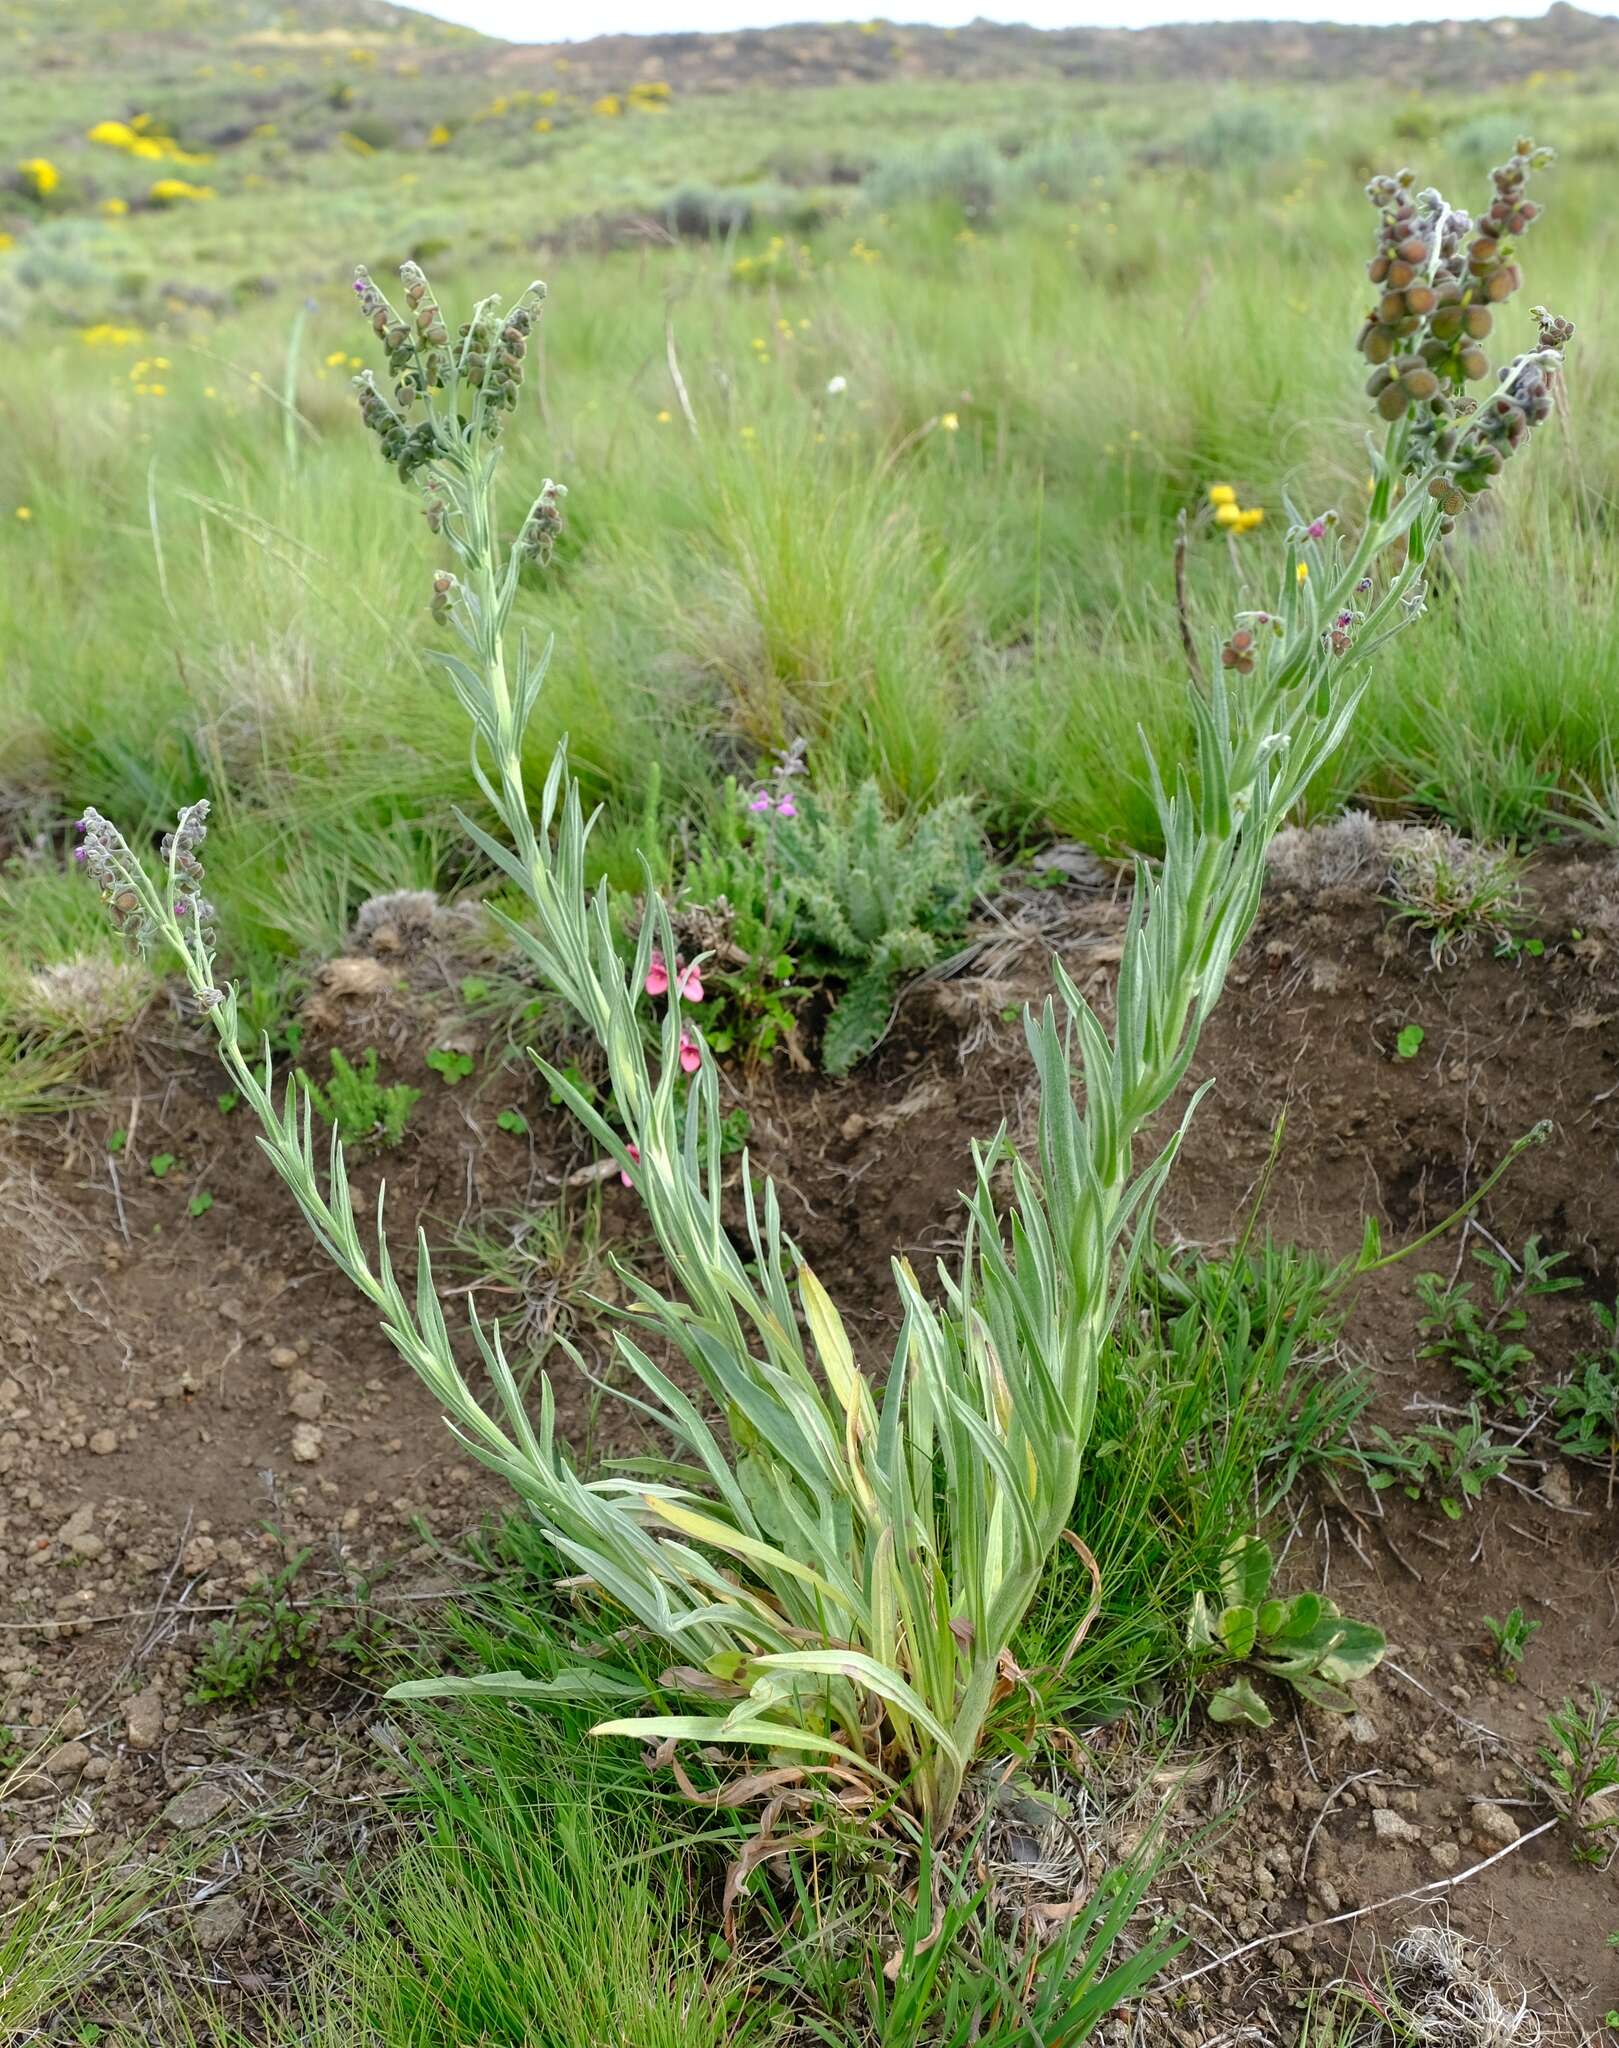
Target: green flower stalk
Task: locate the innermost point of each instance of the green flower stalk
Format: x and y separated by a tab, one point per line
837	1566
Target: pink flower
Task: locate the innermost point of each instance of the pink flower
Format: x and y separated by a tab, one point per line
691	985
786	808
760	800
1316	528
657	976
690	1058
635	1153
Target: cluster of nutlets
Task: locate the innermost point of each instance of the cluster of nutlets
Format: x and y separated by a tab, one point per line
487	357
1440	277
1241	650
544	522
106	857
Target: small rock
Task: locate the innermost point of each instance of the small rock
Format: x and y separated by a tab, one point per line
89	1546
283	1357
196	1804
143	1719
1446	1854
103	1442
1558	1487
217	1922
72	1722
68	1759
1494	1823
307	1443
1389	1826
1361	1728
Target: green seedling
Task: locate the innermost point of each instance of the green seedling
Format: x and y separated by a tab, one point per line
357	1103
1481	1340
201	1202
512	1120
1511	1639
1304	1641
160	1163
1582	1763
451	1066
1409	1042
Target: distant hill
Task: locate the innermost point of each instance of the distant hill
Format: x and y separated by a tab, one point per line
1424	56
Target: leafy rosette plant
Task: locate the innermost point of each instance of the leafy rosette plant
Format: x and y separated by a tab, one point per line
1304	1641
833	1562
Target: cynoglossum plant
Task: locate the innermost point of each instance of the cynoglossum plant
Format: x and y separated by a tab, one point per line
836	1572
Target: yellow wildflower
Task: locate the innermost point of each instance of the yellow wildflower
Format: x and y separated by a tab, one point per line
105	335
1251	516
664	417
338	355
7	241
949	421
112	135
1227	515
25	513
609	105
1303	572
1222	494
172	191
114	207
437	136
543	125
41	174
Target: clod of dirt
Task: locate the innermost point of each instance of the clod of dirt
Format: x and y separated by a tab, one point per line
68	1759
143	1719
307	1444
306	1396
104	1442
1389	1826
1493	1823
196	1804
218	1922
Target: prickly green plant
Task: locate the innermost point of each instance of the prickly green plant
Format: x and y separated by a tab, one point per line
838	1554
1304	1641
358	1106
879	897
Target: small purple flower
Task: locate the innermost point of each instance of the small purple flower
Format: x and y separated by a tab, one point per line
182	907
81	853
1316	528
760	800
786	808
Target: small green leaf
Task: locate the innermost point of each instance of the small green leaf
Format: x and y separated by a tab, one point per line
117	1141
1272	1614
1238	1628
1245	1572
1534	948
1409	1042
1320	1694
452	1066
160	1162
201	1202
1358	1650
513	1120
1239	1702
473	988
228	1101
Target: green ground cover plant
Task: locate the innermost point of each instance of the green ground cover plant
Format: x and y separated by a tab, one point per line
836	1561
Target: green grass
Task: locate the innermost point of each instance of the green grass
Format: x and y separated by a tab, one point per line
193	604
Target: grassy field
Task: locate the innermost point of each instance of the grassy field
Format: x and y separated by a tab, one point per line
941	425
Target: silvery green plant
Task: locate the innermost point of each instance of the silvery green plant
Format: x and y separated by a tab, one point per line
837	1565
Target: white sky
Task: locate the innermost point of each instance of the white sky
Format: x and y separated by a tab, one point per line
547	21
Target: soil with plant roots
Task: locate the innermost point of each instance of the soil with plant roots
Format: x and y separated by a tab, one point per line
189	1400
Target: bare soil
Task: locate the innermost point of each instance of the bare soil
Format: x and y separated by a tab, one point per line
188	1400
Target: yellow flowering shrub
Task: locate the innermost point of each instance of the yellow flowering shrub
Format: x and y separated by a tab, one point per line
176	192
39	175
